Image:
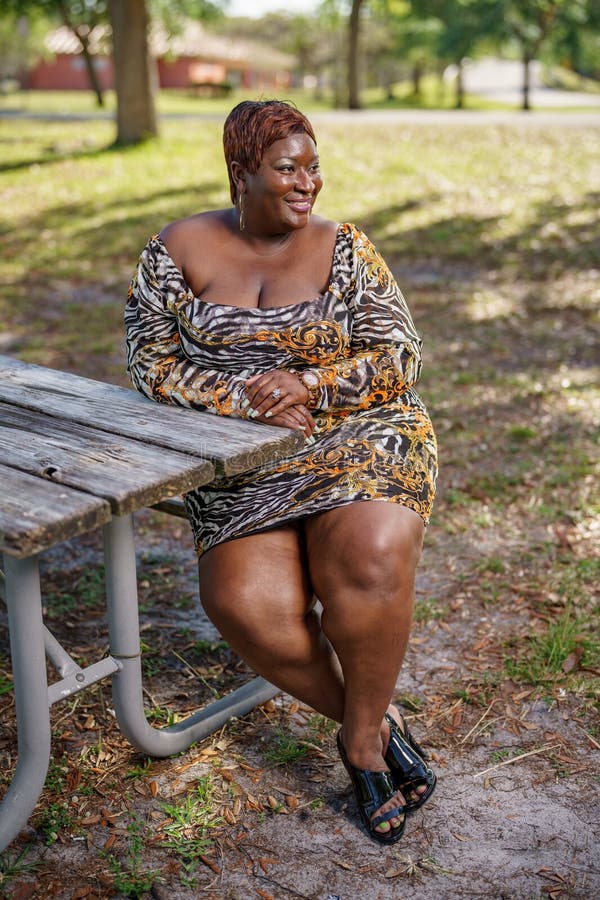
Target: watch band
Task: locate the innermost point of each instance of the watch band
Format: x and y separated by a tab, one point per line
312	385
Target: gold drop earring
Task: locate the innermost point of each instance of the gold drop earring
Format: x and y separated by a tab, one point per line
242	225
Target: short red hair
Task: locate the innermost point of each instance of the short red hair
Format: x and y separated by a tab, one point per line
252	126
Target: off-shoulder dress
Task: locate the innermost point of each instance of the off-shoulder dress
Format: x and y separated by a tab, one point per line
373	437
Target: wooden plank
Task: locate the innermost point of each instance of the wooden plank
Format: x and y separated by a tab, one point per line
127	473
231	444
36	514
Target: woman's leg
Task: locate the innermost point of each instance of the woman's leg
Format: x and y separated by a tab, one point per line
362	560
257	592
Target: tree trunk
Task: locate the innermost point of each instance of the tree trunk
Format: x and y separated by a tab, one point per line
136	117
83	38
525	106
91	70
417	74
441	84
460	86
353	62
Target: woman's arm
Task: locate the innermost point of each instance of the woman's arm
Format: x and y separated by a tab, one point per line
385	354
156	363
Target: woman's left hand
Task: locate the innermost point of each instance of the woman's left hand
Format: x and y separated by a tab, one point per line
273	392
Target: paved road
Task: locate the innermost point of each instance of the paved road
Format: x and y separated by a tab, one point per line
368	116
501	80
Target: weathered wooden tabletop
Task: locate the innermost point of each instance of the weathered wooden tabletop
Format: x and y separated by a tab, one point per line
75	451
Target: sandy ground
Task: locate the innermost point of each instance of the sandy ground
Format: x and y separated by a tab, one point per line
493	828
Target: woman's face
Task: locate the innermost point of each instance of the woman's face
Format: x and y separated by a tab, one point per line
281	195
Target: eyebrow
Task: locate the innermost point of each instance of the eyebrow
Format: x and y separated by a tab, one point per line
294	158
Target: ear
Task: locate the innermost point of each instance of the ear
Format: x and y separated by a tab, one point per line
238	174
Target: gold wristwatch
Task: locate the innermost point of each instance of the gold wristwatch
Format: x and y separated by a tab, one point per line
311	383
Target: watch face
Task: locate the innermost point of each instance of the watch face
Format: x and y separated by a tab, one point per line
310	379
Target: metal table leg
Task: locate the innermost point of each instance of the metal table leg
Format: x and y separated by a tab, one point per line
23	599
124	633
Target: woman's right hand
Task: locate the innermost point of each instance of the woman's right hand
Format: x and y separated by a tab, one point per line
298	417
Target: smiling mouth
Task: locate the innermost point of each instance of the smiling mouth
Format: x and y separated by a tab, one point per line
301	205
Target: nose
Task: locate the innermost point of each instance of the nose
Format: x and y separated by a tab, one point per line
303	181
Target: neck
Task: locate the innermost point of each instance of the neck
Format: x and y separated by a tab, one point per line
263	243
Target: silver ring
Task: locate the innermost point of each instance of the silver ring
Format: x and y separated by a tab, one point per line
276	393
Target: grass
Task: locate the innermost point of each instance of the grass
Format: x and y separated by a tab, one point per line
55	818
130	875
188	833
428	609
88	592
181	102
286	748
15	864
569	642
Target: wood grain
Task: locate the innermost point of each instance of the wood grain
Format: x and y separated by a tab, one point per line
231	444
36	514
127	473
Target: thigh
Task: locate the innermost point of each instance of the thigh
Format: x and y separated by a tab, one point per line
261	580
372	544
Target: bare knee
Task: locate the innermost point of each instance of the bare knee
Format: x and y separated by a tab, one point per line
379	560
261	620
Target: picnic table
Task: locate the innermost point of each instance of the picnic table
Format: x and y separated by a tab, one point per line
78	455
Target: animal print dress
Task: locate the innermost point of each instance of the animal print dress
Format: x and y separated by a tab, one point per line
373	437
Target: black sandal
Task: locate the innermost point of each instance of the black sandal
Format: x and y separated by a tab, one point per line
407	766
372	790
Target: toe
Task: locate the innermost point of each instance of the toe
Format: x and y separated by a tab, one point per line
416	793
396	801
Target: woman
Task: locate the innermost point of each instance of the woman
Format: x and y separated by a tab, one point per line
266	312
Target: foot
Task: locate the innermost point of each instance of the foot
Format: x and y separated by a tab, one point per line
370	758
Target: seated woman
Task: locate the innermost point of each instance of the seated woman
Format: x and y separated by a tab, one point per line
266	312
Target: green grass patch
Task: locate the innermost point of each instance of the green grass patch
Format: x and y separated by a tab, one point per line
87	592
55	818
569	643
14	865
131	878
189	835
429	609
286	748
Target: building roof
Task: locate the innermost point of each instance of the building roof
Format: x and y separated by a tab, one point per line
192	41
64	40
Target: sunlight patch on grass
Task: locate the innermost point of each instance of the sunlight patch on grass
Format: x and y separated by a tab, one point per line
485	305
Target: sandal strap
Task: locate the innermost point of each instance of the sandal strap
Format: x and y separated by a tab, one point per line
405	757
395	813
371	788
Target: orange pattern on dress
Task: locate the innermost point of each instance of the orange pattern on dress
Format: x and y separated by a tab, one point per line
373	437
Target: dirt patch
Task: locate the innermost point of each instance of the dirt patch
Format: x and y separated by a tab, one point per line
497	825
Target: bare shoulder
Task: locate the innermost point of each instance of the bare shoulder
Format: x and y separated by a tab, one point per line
323	228
181	235
321	235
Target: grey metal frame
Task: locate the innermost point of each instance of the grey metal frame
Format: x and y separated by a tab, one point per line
31	642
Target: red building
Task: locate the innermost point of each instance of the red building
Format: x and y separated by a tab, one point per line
193	58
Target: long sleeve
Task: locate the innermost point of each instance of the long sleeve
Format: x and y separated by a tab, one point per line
385	351
157	364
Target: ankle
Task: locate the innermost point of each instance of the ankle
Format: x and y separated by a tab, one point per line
364	752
